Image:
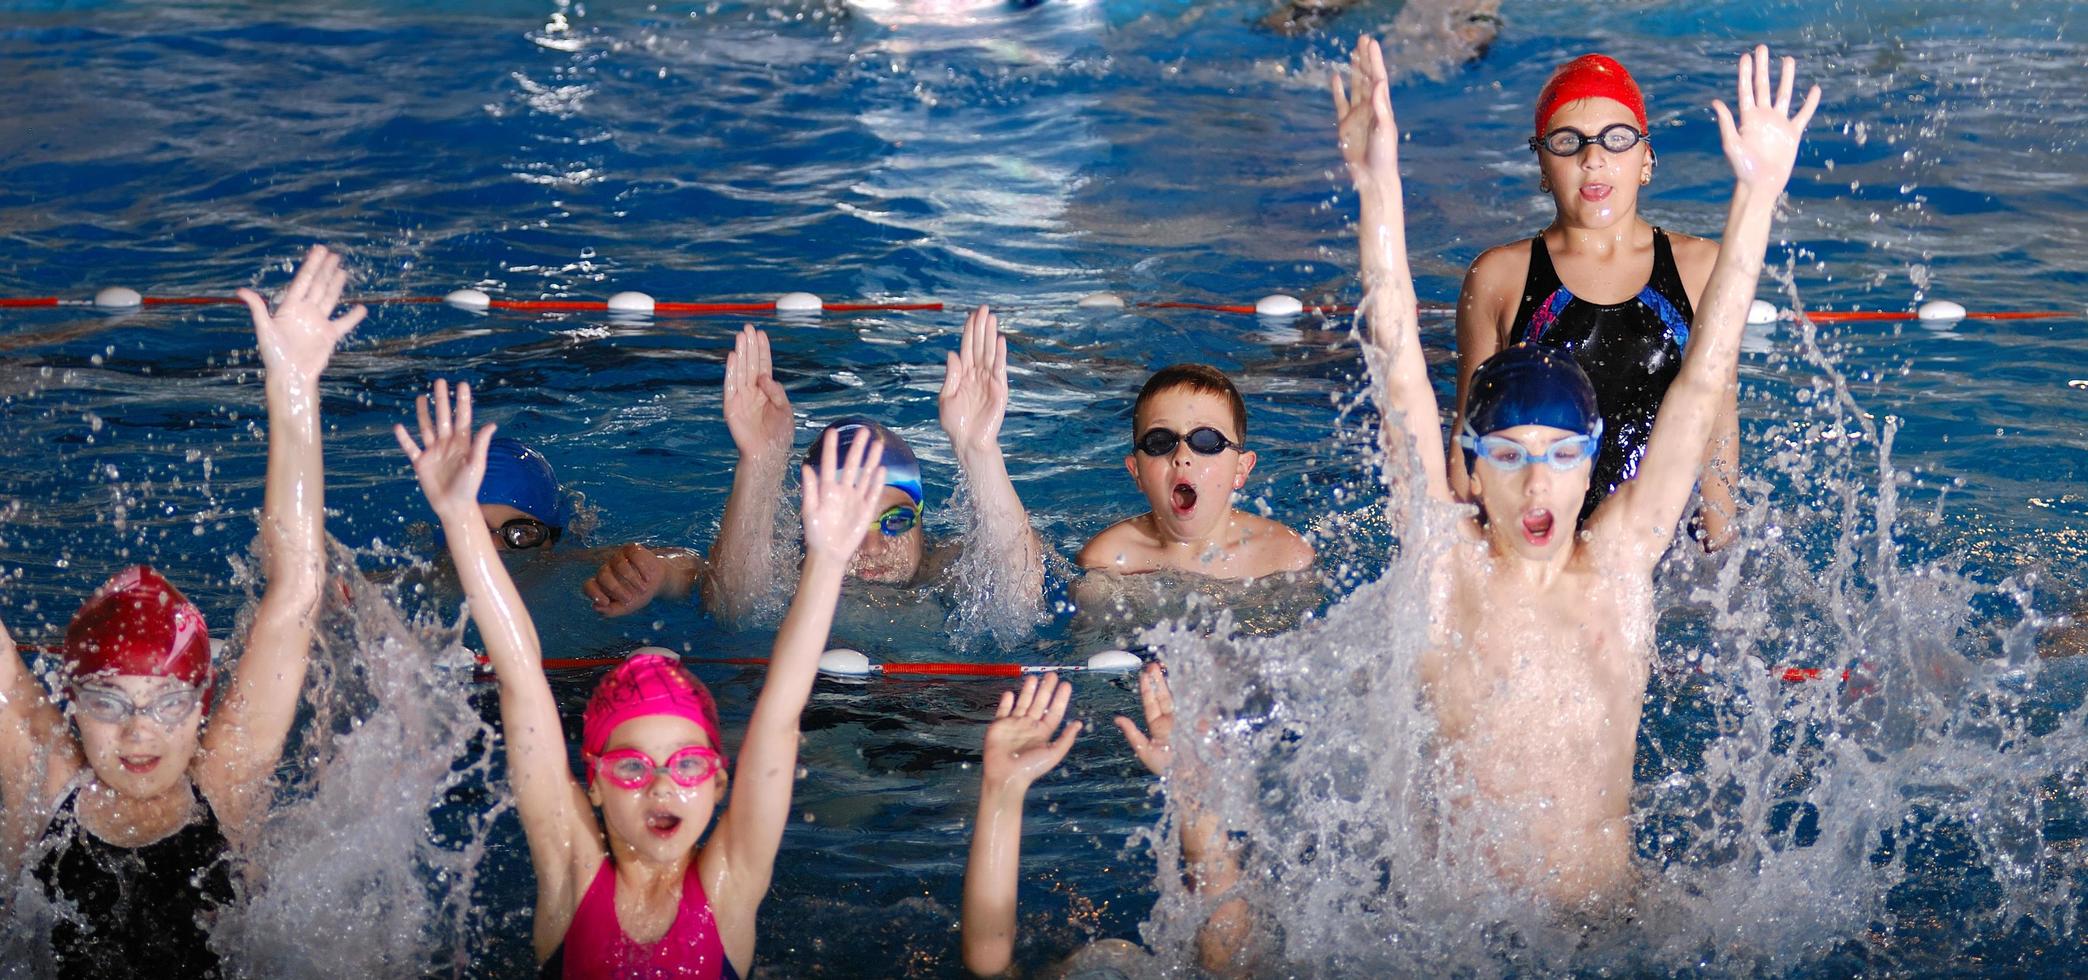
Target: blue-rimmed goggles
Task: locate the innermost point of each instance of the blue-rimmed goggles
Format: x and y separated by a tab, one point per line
1507	454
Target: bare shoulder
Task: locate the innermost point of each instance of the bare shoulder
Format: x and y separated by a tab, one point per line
1500	265
1273	545
1125	547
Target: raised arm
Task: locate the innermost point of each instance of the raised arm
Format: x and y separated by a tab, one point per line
757	412
973	405
32	731
840	501
1370	146
244	741
1019	749
564	841
1211	862
1762	147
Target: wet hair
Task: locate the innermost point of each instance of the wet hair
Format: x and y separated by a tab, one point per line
1198	378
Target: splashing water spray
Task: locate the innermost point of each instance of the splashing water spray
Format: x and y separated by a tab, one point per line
1919	799
355	877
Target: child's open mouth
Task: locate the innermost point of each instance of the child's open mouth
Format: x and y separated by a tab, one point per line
1537	527
140	764
662	824
1184	498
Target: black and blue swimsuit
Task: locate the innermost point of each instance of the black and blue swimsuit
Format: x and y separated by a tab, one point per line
1630	350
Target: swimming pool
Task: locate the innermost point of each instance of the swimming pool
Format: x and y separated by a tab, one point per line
1027	156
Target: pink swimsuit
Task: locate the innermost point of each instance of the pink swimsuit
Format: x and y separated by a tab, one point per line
595	947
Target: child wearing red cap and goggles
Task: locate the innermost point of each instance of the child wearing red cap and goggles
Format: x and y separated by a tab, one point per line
140	805
650	740
1559	289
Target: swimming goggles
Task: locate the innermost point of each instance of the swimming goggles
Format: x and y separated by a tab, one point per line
1204	441
524	533
689	767
900	519
110	706
1615	138
1507	454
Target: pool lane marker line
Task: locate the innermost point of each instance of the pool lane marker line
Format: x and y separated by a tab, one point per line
843	662
1274	305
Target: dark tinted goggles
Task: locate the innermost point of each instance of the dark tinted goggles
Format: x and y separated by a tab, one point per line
524	533
1204	441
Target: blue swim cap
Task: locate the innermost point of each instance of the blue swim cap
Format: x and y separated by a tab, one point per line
1530	385
520	477
902	469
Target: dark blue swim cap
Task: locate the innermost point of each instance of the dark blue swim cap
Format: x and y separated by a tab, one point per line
902	469
520	477
1530	385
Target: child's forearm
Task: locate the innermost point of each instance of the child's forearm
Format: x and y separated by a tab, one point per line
793	665
743	559
293	501
990	880
1394	329
1723	314
1002	525
496	606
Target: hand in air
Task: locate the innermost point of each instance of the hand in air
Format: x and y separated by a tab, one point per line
841	495
1019	744
974	398
1155	745
757	411
449	460
1764	145
1363	111
297	337
627	582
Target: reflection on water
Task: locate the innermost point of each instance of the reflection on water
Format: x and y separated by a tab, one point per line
1027	155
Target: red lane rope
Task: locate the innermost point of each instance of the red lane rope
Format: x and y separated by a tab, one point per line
951	670
769	306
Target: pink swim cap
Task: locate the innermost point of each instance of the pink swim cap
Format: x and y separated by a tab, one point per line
647	684
138	624
1590	76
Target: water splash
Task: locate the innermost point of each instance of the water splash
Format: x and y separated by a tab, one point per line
1903	818
352	876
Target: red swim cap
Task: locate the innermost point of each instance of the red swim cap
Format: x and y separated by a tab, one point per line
647	683
138	624
1590	76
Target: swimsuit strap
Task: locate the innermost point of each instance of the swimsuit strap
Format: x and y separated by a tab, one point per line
1540	286
1665	294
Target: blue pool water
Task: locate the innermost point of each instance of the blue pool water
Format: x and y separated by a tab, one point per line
1027	155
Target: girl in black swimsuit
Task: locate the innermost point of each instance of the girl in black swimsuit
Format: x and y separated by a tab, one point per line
1595	155
124	806
1630	351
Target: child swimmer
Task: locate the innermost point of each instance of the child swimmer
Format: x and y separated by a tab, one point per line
741	568
1188	456
136	813
631	892
1541	627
